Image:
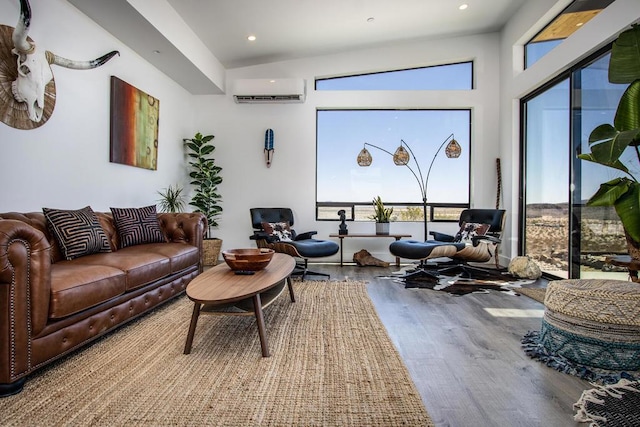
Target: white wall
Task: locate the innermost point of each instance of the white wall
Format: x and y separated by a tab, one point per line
516	82
65	162
290	182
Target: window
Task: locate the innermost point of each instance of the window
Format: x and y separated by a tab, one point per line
440	77
567	238
578	13
342	184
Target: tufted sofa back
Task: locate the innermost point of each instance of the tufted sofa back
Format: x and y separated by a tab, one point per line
170	224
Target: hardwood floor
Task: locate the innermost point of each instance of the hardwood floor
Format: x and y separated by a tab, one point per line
464	354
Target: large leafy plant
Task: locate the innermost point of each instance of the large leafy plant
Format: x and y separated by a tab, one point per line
205	176
607	142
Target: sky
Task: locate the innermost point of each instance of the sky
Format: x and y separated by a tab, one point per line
548	135
341	134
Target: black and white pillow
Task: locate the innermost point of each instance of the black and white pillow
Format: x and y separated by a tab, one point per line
136	226
279	230
78	232
469	230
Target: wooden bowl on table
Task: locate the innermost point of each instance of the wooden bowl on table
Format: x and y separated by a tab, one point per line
247	260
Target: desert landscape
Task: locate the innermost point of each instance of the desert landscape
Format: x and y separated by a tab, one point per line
547	232
547	237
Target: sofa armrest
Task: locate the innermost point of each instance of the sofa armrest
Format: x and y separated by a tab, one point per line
25	290
188	228
183	227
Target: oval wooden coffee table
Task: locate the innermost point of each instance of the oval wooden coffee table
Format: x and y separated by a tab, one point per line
220	291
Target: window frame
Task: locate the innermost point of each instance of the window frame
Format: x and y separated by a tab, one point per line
574	240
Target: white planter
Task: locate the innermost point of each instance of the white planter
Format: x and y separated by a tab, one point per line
382	228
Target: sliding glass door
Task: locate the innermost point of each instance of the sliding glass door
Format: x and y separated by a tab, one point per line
599	228
547	157
564	236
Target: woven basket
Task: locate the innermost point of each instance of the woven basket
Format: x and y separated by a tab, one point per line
211	251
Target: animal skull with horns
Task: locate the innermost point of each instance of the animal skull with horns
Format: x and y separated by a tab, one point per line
34	70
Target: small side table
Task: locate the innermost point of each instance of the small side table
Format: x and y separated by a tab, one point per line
342	236
625	261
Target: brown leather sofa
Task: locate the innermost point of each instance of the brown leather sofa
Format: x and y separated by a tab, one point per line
50	306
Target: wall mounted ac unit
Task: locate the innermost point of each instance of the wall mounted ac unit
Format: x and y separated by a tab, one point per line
269	91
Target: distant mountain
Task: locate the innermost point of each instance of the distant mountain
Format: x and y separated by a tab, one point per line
562	209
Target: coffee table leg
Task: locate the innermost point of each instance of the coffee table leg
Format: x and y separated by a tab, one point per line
257	309
192	327
291	294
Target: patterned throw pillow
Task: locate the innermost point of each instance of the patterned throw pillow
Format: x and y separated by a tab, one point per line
78	232
468	230
281	230
137	226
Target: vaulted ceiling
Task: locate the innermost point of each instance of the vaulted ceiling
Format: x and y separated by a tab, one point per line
284	29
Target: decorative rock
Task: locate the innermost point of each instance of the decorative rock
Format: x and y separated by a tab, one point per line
364	258
524	268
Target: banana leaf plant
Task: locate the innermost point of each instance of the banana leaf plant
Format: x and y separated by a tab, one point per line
607	142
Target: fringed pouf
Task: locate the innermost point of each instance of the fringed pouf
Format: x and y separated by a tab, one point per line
590	328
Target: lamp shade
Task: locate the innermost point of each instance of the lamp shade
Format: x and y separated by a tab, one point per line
401	156
364	158
453	149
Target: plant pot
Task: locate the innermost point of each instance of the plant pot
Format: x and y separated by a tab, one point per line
211	251
633	247
382	228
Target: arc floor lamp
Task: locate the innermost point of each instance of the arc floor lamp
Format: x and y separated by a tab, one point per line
402	157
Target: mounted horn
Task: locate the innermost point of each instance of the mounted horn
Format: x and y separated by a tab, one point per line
33	66
52	58
21	31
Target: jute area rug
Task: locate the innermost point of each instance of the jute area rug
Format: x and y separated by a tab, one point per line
331	364
534	293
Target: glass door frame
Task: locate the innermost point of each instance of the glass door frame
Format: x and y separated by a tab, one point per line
575	168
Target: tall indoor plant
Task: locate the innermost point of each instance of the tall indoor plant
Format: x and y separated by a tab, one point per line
607	142
205	176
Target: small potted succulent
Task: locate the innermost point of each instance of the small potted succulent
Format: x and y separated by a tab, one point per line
382	216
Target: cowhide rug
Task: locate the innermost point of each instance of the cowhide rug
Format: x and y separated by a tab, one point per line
461	281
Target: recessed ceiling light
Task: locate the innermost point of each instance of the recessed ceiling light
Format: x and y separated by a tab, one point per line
157	52
251	38
463	6
371	19
579	24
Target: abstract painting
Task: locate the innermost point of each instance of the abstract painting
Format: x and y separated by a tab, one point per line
134	126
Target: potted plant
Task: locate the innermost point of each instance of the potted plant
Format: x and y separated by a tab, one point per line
205	176
171	199
381	216
607	142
